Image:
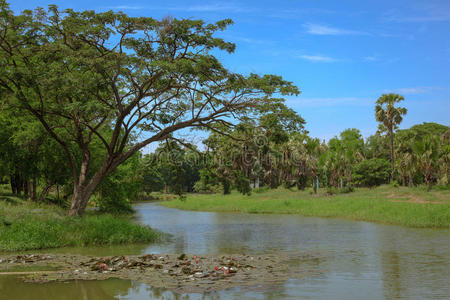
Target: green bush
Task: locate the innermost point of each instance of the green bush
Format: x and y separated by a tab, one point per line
346	190
331	190
261	189
394	183
206	188
371	172
113	197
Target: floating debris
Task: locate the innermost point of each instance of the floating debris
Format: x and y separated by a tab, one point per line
175	272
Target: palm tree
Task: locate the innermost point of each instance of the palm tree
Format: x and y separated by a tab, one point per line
427	154
390	117
313	152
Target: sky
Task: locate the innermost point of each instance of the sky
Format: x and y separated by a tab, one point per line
342	54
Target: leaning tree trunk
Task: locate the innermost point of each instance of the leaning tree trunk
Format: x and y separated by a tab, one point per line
82	193
83	188
79	201
45	192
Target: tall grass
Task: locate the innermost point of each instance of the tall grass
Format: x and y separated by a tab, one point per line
27	226
413	207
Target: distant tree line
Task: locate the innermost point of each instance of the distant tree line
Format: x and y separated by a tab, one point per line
274	150
250	157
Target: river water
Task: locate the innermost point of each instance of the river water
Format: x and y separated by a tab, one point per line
358	259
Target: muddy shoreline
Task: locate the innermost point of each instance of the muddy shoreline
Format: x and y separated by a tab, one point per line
182	273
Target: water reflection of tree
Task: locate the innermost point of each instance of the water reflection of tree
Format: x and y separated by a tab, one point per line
391	274
15	288
243	233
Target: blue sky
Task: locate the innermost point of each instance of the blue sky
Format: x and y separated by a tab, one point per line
342	54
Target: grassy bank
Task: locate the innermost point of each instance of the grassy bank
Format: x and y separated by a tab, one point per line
413	207
25	226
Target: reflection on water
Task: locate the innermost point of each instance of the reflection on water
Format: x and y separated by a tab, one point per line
13	288
360	259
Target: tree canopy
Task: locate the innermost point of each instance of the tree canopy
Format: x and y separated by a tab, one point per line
121	82
390	116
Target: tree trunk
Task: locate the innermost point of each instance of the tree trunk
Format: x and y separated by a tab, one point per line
82	191
83	188
26	188
391	133
315	184
428	177
33	189
13	184
45	192
79	201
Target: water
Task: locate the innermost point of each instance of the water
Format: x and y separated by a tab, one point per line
360	260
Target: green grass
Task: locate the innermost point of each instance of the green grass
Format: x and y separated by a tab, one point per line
413	207
34	226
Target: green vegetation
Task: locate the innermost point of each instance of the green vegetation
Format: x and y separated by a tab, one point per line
413	207
389	117
102	86
26	225
141	81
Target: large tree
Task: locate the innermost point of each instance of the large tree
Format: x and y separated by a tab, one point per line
390	116
120	81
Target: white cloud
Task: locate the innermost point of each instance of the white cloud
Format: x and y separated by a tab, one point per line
317	29
244	39
317	58
417	90
412	91
370	58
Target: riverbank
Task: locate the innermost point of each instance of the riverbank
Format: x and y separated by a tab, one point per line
412	207
26	225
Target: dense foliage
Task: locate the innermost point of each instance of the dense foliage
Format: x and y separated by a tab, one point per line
102	86
371	172
82	93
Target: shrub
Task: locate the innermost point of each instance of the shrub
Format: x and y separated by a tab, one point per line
371	172
331	190
346	190
395	184
113	197
206	188
261	189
